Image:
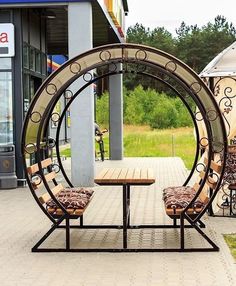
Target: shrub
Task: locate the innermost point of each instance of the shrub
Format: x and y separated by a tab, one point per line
147	107
164	114
102	109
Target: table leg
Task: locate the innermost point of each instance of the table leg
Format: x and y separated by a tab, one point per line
128	205
124	216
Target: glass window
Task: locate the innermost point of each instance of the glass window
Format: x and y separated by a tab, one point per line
5	63
6	114
44	64
26	56
32	59
38	61
26	92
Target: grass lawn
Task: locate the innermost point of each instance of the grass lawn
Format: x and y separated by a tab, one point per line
141	141
231	242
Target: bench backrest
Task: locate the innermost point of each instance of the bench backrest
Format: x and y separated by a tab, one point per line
211	180
49	176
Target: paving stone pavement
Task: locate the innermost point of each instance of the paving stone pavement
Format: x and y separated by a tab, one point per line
23	223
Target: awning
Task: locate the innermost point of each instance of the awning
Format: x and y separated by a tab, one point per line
224	64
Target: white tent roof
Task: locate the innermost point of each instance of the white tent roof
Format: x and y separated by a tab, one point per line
224	64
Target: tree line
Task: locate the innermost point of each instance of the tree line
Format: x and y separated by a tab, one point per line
146	107
150	103
196	46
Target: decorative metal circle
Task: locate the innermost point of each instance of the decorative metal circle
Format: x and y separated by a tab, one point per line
50	142
56	168
68	94
200	167
105	56
35	117
36	180
198	116
87	77
55	117
212	115
30	148
141	55
75	68
196	87
213	176
171	66
204	142
51	89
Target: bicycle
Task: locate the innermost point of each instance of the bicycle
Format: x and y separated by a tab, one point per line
99	140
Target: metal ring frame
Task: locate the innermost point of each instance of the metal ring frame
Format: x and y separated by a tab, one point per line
171	70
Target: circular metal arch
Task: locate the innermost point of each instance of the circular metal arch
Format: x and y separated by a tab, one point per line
35	127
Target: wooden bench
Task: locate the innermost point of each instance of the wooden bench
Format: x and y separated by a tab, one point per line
74	200
177	198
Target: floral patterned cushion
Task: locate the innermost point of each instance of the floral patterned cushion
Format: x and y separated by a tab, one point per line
230	169
74	198
180	197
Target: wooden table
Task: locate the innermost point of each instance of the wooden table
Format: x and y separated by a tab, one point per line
125	177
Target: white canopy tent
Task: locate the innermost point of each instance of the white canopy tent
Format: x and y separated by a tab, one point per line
220	76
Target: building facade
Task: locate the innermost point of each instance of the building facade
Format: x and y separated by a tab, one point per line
30	31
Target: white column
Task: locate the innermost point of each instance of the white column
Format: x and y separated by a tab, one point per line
82	109
116	116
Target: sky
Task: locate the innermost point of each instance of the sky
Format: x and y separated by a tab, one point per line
170	13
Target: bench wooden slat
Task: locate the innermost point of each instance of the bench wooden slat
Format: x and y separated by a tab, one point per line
38	183
46	197
178	211
209	180
35	168
214	166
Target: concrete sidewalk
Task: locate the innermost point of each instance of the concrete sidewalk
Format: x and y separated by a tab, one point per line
23	224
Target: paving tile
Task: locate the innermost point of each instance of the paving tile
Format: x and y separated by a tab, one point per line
22	224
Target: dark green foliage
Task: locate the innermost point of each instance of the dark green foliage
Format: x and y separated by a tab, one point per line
193	45
147	107
102	109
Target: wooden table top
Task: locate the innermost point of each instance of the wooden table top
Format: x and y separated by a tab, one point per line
125	176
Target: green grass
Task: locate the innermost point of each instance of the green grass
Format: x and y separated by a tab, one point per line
230	239
141	141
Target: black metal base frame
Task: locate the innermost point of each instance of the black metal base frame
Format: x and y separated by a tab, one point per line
67	228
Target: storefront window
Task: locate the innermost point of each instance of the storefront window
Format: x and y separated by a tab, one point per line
26	92
44	64
38	61
5	63
26	56
6	115
32	59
